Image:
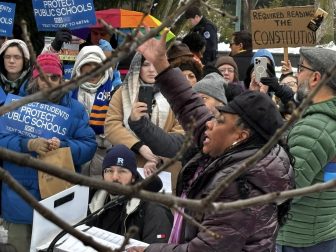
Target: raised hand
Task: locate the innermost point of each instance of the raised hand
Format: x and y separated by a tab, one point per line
155	51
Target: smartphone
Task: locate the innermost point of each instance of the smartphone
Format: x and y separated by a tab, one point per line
146	95
260	67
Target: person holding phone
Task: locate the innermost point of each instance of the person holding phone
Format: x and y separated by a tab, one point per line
141	74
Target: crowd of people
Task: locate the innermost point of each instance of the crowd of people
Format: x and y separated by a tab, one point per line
113	132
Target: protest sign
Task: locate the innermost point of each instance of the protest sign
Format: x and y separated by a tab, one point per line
69	50
52	15
7	13
36	119
2	96
282	27
67	71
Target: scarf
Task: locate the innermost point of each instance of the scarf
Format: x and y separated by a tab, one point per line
130	90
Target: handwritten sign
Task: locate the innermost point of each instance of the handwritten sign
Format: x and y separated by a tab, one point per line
52	15
36	119
7	13
282	27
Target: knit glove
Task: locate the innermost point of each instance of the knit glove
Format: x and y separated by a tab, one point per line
40	145
284	92
105	45
271	80
63	35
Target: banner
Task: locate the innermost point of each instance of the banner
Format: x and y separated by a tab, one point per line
52	15
36	119
282	27
7	13
2	96
69	50
67	71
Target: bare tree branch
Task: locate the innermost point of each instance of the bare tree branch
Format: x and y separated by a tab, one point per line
222	12
274	139
129	45
18	188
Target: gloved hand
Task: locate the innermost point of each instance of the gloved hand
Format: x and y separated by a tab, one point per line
105	45
284	92
271	80
63	35
39	145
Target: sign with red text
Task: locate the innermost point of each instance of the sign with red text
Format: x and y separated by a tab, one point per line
282	27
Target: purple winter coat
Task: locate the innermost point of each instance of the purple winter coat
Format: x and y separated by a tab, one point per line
250	229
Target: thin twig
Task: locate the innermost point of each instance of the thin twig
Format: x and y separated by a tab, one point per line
222	12
192	220
186	144
26	37
129	234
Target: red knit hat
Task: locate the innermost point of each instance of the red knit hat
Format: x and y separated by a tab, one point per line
50	64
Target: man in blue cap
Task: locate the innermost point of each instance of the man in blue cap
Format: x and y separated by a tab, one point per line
153	220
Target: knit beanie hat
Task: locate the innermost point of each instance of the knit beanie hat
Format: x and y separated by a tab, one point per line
263	53
230	61
178	50
50	64
212	85
120	155
320	59
258	111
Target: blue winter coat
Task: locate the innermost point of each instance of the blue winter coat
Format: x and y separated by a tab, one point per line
82	142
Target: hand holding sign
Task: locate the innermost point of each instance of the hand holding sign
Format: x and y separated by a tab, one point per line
40	145
54	143
63	35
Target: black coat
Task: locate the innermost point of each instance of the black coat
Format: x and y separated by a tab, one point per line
208	31
154	221
243	61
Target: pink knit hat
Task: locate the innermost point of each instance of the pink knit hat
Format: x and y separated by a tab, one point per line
50	64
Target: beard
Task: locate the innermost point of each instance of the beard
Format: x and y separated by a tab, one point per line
303	91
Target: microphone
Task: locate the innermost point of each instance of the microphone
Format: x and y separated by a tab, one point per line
94	214
155	186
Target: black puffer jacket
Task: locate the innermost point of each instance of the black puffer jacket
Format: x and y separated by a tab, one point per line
250	229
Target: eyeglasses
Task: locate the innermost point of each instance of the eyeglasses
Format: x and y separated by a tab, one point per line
229	69
52	77
15	57
289	83
300	66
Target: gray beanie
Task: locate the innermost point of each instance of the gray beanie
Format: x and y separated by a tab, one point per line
321	60
212	85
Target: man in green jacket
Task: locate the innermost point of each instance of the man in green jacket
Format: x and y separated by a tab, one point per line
311	225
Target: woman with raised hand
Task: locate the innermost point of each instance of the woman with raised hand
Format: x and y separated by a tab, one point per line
227	140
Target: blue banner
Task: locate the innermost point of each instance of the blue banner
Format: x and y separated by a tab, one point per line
68	70
2	96
36	119
52	15
7	13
